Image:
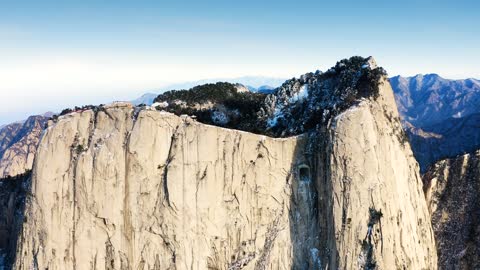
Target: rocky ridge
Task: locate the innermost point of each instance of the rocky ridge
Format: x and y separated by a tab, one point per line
425	100
138	188
18	145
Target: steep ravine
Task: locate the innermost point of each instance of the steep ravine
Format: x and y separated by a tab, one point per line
128	189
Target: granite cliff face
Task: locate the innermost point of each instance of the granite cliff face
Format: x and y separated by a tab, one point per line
130	188
452	187
18	144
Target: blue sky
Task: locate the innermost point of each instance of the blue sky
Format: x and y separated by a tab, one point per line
56	54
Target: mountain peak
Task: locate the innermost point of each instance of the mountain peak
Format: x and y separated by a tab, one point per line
299	105
371	62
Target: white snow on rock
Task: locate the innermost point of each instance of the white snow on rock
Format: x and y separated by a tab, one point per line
277	114
300	95
241	88
361	103
457	115
315	254
160	104
219	118
371	63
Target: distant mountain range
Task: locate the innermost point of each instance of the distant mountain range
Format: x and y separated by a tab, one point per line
18	144
146	99
250	81
425	100
441	116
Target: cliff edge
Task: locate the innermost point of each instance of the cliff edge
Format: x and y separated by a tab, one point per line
130	188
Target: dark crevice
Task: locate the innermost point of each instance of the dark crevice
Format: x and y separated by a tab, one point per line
109	255
75	153
368	244
306	211
270	236
170	157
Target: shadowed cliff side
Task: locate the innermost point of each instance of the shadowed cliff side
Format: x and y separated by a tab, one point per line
451	188
13	192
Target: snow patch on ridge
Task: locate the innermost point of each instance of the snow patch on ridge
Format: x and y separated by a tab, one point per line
277	114
300	95
349	110
315	254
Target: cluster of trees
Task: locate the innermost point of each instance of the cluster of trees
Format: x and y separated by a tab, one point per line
213	92
329	94
355	78
241	108
75	109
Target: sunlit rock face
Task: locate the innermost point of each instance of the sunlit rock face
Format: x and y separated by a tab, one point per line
124	188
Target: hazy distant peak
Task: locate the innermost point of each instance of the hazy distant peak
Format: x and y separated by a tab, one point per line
146	99
442	106
48	114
